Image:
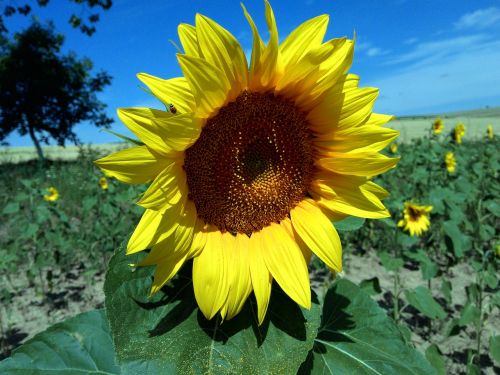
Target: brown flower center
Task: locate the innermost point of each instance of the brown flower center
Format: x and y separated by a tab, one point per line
252	163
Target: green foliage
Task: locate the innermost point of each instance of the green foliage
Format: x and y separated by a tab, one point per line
357	337
167	333
80	345
435	358
421	298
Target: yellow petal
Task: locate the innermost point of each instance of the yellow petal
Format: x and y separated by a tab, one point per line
153	227
135	165
257	50
199	238
286	263
174	91
318	233
239	274
344	194
331	71
372	187
304	38
208	84
166	270
359	138
161	131
166	190
220	48
179	241
358	164
210	275
261	278
377	119
270	68
189	39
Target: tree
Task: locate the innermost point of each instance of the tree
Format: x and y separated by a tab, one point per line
85	20
44	93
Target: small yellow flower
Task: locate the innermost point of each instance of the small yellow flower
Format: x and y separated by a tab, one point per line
458	133
103	183
415	218
489	131
52	194
393	147
450	162
437	126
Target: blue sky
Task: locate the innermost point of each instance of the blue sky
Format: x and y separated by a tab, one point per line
425	56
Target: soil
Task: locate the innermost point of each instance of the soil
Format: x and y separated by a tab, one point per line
30	310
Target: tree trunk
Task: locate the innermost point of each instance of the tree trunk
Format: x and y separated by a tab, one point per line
39	151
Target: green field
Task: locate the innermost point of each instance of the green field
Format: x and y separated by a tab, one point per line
475	121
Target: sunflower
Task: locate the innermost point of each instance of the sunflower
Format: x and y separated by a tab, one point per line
450	162
393	147
52	194
458	133
103	183
250	164
437	126
489	131
415	218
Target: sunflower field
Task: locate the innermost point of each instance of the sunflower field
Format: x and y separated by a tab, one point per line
439	289
265	221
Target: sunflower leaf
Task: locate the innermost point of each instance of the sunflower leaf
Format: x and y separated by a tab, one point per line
79	345
357	337
167	334
349	224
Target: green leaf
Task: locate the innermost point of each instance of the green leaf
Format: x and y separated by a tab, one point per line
349	224
357	337
469	314
371	286
435	358
11	208
460	242
167	333
495	348
389	262
493	207
446	290
490	276
422	299
79	345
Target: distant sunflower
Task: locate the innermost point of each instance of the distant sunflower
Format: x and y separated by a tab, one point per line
437	126
103	183
52	194
393	147
458	133
450	162
415	218
249	165
489	131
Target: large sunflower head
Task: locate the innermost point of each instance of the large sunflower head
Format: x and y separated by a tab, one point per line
415	218
251	163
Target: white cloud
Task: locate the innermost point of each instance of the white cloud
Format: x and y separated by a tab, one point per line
375	51
449	73
438	49
411	40
480	19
